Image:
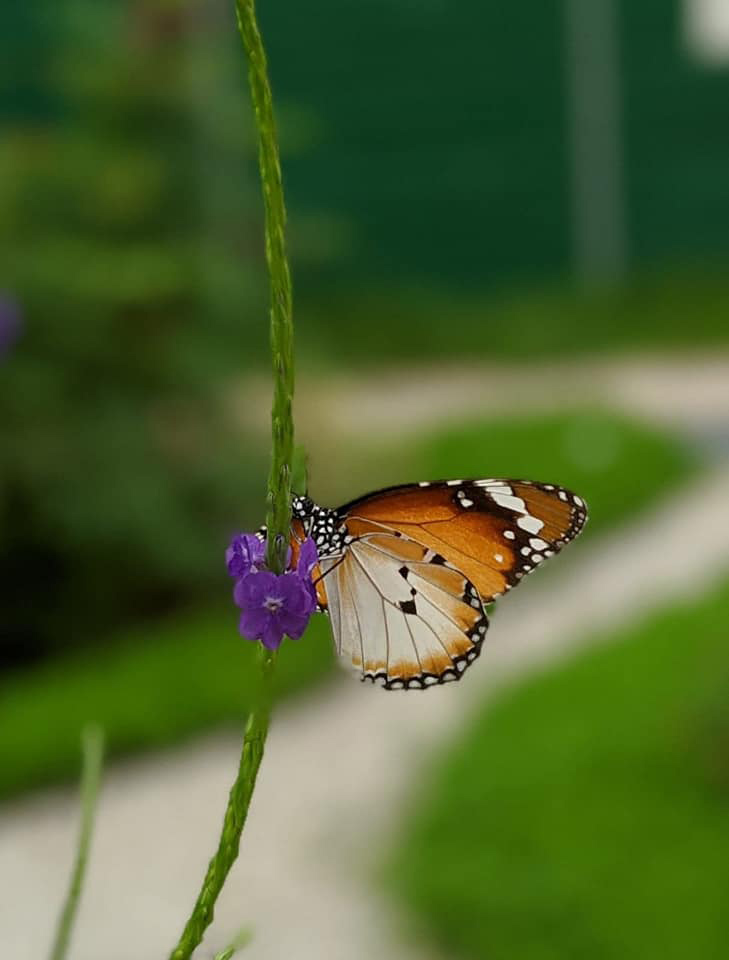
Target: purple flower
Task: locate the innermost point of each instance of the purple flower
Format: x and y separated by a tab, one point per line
273	606
10	323
308	559
245	554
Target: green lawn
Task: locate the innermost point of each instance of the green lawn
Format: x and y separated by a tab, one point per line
153	686
681	309
160	683
586	813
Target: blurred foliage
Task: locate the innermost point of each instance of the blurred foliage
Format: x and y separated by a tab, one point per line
586	812
130	234
127	225
157	683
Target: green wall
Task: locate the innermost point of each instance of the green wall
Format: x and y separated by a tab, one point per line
439	134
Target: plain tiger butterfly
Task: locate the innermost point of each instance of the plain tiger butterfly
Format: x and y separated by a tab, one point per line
405	573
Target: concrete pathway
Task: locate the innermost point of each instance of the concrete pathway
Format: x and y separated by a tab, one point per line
340	767
691	392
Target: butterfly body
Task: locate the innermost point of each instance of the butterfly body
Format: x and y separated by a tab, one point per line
405	573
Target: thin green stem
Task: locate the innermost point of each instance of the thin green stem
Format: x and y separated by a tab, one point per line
235	817
280	479
282	329
93	754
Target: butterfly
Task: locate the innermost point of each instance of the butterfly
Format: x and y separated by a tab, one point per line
405	573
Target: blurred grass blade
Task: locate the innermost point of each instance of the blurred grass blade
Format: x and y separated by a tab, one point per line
93	754
241	939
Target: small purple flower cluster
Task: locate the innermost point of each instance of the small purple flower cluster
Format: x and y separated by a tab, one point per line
273	605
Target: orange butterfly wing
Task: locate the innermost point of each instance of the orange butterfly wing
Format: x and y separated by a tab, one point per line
493	531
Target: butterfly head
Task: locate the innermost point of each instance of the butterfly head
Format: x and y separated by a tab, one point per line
321	524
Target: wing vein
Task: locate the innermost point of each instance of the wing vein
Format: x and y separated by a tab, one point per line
377	589
387	637
359	623
435	586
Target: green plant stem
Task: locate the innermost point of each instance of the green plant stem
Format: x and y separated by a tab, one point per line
279	485
278	520
235	817
93	754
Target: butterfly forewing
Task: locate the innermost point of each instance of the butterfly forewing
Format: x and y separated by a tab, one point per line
493	531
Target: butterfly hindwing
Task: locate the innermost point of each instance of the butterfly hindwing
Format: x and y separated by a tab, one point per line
400	614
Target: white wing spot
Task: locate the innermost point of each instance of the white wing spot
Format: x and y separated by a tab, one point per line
538	543
499	557
509	534
578	500
465	502
501	489
453	483
509	501
525	551
562	495
530	524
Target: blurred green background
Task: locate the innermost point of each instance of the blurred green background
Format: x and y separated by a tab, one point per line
482	187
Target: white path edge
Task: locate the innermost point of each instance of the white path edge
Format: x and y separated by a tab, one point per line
339	766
